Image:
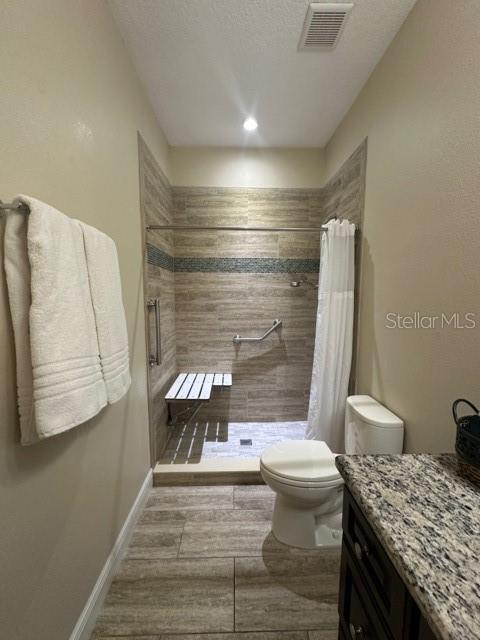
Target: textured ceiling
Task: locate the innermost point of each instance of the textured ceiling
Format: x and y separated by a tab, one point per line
207	64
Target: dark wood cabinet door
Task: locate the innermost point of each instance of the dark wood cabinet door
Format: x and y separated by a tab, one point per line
341	635
374	603
377	571
358	618
424	631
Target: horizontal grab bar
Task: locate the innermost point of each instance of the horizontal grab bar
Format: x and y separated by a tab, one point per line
238	339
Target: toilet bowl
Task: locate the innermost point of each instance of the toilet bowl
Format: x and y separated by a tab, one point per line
308	487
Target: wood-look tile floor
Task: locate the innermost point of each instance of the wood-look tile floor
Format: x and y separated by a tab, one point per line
203	565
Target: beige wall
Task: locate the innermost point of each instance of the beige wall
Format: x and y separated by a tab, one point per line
70	109
237	167
420	111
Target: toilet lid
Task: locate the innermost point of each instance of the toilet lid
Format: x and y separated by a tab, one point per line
309	460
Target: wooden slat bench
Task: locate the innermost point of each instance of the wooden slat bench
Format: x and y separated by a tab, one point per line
195	388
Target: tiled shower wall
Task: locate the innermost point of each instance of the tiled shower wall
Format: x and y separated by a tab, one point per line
344	193
229	282
156	208
345	197
224	282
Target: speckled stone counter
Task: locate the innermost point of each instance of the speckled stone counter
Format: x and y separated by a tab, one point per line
427	516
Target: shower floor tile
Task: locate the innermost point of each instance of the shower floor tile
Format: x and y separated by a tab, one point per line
189	444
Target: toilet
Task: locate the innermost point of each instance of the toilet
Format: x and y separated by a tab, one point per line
308	486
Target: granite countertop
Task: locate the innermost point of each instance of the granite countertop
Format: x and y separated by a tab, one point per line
427	516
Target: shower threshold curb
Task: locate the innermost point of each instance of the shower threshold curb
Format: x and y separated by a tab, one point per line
209	471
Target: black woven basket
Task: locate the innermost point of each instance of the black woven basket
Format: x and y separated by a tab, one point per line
467	443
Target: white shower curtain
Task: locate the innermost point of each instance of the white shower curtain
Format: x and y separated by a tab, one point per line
333	340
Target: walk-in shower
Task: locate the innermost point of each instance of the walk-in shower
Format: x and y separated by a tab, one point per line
222	262
236	313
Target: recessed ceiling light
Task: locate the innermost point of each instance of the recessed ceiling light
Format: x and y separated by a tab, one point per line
250	124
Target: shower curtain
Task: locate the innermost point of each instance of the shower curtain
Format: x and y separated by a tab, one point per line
333	338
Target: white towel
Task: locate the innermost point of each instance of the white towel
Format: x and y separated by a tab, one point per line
59	376
106	292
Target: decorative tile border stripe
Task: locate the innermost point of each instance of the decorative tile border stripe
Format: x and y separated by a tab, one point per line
159	258
248	265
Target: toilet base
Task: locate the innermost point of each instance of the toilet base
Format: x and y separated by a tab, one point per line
307	528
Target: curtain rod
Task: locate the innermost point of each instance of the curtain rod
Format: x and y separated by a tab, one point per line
23	208
155	227
193	227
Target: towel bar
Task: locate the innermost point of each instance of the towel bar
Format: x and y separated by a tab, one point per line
13	206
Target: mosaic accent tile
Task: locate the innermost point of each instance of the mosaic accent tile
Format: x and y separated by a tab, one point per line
247	265
159	258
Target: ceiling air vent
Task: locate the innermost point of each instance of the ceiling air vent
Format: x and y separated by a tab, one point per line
323	25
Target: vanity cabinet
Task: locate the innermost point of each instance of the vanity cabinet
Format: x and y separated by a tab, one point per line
374	603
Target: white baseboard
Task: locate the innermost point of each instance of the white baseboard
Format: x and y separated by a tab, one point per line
86	621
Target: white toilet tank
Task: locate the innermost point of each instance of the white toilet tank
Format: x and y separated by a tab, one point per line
371	428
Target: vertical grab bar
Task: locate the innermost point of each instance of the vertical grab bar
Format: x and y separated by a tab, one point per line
157	357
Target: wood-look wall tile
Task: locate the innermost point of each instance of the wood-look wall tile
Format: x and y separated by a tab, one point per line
211	206
239	244
303	245
284	404
194	244
162	239
278	207
155	190
207	341
157	208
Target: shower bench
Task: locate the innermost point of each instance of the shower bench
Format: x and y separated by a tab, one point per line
195	389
